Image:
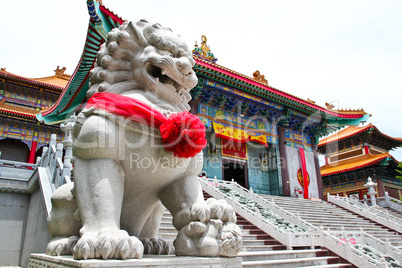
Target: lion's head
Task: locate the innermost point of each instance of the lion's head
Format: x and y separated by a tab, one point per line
144	56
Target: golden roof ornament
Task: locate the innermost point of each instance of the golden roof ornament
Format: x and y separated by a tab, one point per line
310	100
260	77
60	72
204	51
329	106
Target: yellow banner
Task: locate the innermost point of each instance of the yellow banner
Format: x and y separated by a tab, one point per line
238	134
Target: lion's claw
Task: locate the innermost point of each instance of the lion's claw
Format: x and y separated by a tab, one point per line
157	246
113	244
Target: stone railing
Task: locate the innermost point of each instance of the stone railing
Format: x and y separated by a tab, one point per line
363	238
52	160
290	236
371	213
390	202
14	170
359	255
337	241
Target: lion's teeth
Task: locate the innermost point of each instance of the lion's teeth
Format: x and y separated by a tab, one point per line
157	79
164	72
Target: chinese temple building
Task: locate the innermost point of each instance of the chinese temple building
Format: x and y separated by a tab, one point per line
260	136
21	98
356	153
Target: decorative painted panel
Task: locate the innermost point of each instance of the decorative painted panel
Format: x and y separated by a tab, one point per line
213	84
28	131
256	122
297	140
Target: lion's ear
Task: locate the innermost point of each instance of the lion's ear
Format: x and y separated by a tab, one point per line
136	34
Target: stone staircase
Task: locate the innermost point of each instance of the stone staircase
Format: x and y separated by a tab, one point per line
261	250
329	216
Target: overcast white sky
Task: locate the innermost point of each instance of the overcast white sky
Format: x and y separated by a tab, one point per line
347	52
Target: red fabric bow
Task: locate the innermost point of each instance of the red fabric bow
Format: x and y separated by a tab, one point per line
183	133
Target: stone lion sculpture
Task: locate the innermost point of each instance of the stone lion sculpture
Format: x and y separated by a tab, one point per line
136	151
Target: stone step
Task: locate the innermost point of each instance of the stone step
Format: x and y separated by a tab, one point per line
336	219
341	223
291	263
165	230
261	250
279	254
336	265
321	211
254	248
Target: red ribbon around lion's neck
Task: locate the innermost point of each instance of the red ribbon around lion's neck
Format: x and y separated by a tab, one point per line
183	133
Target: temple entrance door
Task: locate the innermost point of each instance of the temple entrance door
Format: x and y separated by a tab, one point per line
236	170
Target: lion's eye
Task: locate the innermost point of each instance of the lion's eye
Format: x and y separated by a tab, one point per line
171	55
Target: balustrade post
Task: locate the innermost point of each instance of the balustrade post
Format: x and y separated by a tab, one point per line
38	160
343	232
348	250
289	241
387	201
67	128
56	170
322	237
311	236
365	199
388	246
44	159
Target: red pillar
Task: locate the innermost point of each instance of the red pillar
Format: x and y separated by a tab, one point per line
380	187
366	150
31	158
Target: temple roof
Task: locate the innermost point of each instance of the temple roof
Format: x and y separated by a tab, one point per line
358	135
16	111
355	163
55	82
258	86
59	79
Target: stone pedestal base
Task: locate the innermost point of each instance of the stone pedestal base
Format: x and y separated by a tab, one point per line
43	260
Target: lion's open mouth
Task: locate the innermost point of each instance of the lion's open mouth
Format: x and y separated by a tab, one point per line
163	77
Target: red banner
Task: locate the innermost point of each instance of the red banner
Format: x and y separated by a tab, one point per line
234	149
306	180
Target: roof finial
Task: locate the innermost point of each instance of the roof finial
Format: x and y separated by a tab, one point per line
60	72
205	50
329	106
260	77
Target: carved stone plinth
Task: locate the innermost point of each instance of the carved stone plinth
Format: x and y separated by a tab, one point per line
42	260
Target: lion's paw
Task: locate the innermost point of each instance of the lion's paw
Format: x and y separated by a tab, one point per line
108	244
211	232
157	246
61	246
